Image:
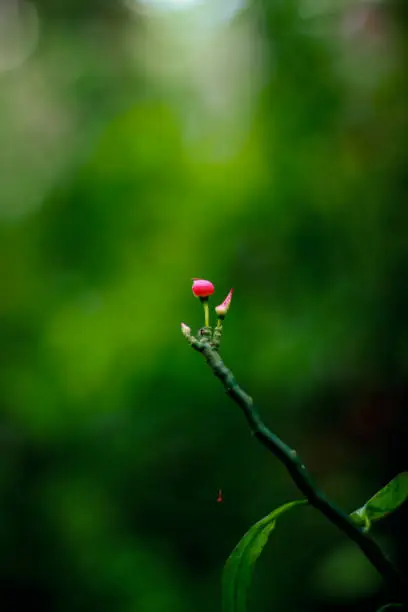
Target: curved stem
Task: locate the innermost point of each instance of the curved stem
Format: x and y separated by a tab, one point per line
297	469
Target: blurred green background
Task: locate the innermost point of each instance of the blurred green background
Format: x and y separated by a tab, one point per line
261	145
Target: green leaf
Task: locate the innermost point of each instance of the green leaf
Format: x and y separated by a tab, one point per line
237	573
384	502
390	607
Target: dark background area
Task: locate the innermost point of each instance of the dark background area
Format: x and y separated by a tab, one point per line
262	146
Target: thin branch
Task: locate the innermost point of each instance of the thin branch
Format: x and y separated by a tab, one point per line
295	466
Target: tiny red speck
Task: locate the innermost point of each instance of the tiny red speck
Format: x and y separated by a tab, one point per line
219	498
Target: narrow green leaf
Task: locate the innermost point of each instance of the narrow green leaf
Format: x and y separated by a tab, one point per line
390	607
239	566
384	502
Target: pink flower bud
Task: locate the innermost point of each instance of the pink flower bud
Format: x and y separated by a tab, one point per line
202	288
185	330
223	308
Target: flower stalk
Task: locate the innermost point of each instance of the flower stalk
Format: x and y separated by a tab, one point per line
208	346
204	301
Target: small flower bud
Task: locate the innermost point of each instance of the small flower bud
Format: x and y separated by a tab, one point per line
223	308
185	330
202	288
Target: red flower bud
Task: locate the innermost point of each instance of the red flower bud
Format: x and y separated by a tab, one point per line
223	308
202	288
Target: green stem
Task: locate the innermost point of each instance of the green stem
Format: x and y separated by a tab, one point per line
296	468
367	524
217	335
204	302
